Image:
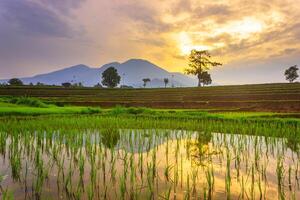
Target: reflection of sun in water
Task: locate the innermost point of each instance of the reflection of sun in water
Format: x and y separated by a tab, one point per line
239	30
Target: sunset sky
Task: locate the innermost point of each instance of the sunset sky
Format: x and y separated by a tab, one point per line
256	40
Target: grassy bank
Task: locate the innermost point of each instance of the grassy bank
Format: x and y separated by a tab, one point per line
32	115
24	106
15	109
33	107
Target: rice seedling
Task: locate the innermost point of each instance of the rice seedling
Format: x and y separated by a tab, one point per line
134	158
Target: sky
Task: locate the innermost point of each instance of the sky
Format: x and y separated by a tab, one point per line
255	40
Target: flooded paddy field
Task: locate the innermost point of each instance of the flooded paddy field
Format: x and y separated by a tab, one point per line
148	163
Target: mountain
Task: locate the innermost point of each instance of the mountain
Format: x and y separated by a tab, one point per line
132	72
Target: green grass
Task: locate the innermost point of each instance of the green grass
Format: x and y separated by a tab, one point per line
10	109
190	114
28	101
31	106
279	128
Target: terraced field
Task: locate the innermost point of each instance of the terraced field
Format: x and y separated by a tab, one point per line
260	97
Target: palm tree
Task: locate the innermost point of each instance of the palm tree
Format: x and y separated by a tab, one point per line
199	62
166	81
146	80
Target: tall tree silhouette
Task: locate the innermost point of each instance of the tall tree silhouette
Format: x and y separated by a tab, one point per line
166	81
199	62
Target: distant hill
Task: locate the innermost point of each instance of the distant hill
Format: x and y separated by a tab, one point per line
131	71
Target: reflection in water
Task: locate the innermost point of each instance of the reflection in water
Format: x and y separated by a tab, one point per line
293	144
147	164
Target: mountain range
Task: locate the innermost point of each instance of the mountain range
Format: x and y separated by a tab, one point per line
132	72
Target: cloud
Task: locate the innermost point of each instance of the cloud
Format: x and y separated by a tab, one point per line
35	19
63	6
32	33
99	31
146	18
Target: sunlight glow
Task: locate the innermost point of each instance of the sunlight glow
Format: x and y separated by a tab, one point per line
186	44
242	29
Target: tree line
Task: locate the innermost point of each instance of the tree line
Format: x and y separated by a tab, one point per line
200	62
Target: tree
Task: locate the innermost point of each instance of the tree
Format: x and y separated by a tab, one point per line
66	84
166	81
15	81
291	73
3	84
98	85
146	80
78	84
205	78
199	62
110	77
40	84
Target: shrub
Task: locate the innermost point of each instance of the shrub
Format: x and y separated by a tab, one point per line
131	110
118	110
91	110
138	110
59	104
29	101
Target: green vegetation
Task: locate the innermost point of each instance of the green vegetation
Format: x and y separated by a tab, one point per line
31	106
32	102
253	126
129	157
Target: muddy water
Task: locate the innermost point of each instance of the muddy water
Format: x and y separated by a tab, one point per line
148	164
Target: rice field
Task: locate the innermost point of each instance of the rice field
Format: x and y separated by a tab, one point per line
276	97
52	149
129	157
